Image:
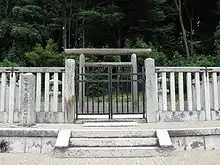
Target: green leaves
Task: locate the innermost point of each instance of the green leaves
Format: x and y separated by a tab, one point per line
109	16
25	13
4	29
95	24
7	63
45	57
25	32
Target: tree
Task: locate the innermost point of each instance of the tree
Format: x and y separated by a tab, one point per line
182	26
178	4
108	18
20	29
48	56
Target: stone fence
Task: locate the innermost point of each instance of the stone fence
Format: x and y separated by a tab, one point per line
47	94
37	95
182	93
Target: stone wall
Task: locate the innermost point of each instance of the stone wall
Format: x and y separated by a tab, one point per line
195	139
28	140
31	140
30	144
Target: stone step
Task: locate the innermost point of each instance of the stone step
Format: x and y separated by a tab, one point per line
112	133
110	124
111	152
112	142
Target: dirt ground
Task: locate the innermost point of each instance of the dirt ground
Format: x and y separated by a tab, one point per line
180	158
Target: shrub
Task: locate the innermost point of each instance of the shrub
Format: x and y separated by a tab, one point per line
45	57
7	63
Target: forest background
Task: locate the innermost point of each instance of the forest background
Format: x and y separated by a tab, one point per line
180	32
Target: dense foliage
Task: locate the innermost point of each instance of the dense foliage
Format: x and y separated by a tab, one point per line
180	32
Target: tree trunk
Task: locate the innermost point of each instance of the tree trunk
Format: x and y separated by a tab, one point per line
191	36
70	21
83	26
191	32
6	8
69	34
179	8
64	34
83	38
184	35
119	39
76	34
64	26
44	13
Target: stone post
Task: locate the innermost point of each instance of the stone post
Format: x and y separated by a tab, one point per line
69	90
81	78
27	100
151	103
134	85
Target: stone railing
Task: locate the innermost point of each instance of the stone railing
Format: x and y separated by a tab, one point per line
48	93
182	93
44	92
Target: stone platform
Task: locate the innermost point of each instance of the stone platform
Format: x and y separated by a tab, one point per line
41	138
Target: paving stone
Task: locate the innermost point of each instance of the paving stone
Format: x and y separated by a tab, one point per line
101	133
111	152
112	142
110	124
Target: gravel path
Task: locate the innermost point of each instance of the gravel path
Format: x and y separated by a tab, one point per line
189	158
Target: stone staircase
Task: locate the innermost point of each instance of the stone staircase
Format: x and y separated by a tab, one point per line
110	142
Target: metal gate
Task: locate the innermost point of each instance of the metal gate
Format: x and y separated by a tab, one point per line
110	91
